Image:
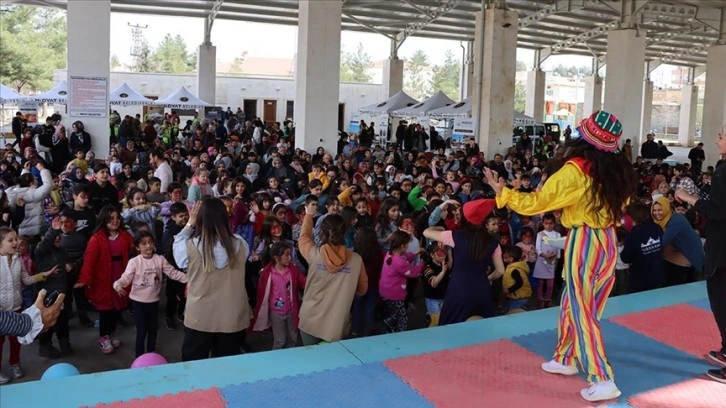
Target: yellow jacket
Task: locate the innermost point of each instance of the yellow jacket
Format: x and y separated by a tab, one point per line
507	281
323	179
569	190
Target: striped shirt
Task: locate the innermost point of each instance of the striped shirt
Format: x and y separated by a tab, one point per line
15	324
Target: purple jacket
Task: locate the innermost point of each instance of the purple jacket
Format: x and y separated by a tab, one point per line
397	269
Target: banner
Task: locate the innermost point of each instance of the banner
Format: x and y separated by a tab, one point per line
88	97
463	130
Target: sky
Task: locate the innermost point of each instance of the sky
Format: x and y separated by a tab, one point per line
232	38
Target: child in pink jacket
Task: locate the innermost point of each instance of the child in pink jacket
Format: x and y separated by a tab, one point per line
143	273
397	269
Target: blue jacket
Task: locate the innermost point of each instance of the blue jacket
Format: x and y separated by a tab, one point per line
680	233
643	251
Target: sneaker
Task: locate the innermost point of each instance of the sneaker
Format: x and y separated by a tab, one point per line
116	343
4	379
49	352
553	367
601	391
718	374
65	348
718	357
105	344
171	323
85	321
17	371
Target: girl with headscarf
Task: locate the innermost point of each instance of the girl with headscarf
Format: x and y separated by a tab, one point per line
682	249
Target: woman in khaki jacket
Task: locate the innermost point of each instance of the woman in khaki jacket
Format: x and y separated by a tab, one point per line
217	311
335	276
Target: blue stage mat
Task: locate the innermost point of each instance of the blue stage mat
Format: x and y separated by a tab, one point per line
640	363
703	304
369	385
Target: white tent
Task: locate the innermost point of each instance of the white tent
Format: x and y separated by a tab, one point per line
458	110
397	101
181	99
520	119
436	101
125	95
57	94
7	95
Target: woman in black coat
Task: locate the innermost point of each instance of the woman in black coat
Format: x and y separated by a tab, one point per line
80	139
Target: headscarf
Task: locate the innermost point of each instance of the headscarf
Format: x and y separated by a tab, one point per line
255	170
667	212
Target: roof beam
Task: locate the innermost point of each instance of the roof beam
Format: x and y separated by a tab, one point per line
209	21
413	28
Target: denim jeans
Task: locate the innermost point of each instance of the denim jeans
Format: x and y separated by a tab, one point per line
517	304
364	312
433	306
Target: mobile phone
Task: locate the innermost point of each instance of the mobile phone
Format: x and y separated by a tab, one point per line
50	299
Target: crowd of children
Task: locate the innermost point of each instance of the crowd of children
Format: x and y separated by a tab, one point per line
105	237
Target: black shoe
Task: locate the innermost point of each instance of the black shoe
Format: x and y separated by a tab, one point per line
718	357
718	374
65	348
49	352
85	321
171	323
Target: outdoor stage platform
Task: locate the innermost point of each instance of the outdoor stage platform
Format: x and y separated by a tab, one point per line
656	342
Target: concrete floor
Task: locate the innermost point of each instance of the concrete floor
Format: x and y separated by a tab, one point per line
88	358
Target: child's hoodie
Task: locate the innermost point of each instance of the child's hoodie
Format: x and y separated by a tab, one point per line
394	276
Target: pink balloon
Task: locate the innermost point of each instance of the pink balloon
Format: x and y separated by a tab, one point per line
149	360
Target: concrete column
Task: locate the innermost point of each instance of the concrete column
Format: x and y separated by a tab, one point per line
207	73
393	76
89	43
317	76
593	95
714	102
467	74
624	81
494	77
687	120
647	108
534	104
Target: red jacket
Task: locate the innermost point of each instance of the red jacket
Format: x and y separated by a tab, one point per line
261	319
96	270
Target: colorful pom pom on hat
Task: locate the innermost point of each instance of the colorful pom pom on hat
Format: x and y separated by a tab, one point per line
602	130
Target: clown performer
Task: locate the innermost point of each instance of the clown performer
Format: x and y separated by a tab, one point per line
592	189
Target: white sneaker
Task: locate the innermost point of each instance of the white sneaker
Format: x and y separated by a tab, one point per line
4	379
601	391
553	367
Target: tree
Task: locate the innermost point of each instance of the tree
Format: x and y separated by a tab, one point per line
415	83
521	66
32	46
520	96
114	63
142	62
236	66
447	76
172	56
355	66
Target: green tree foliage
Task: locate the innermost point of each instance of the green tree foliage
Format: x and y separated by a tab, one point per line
521	66
415	82
236	66
172	56
32	45
355	66
114	63
446	77
142	62
520	96
563	70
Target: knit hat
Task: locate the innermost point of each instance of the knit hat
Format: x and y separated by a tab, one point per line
602	130
478	210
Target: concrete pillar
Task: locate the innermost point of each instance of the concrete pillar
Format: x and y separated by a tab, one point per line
207	73
687	120
535	101
494	77
624	82
317	75
89	43
393	76
714	102
467	74
593	95
647	108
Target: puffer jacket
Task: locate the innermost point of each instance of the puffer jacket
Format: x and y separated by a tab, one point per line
33	197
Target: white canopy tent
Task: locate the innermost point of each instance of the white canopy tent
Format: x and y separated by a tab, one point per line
182	99
397	101
520	119
125	95
57	94
458	110
7	95
436	101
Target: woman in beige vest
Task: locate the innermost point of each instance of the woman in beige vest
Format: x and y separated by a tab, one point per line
217	310
335	276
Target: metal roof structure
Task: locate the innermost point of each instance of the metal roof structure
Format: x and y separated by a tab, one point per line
679	32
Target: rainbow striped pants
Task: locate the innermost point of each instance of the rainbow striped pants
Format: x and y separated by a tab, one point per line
589	274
